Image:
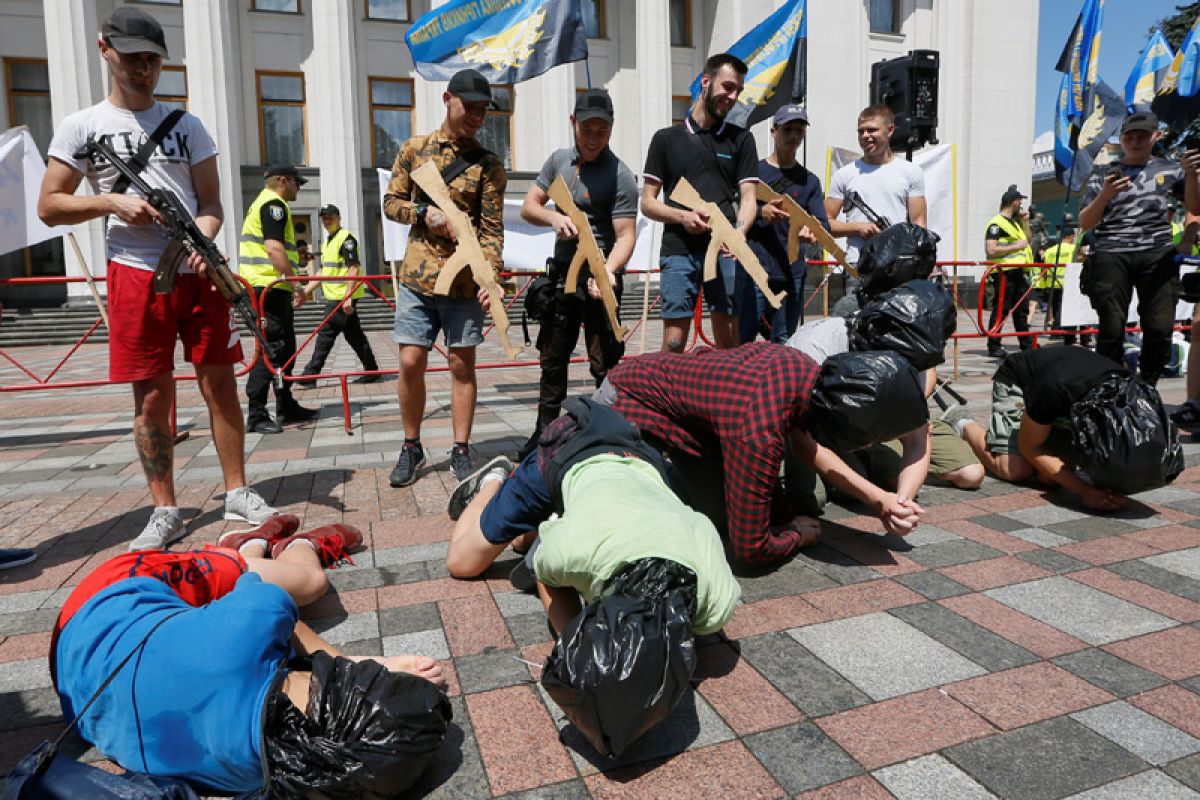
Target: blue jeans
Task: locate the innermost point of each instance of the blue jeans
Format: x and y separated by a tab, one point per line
679	285
522	504
758	317
419	317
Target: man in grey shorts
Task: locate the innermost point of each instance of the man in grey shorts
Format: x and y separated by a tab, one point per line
476	180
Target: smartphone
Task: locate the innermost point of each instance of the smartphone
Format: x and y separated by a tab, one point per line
1116	173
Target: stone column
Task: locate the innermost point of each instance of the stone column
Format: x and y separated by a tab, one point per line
653	67
76	82
210	34
334	118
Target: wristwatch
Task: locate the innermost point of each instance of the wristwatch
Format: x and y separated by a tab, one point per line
421	209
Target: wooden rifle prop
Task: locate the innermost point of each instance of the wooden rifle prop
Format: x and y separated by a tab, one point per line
467	252
854	201
799	218
586	250
186	238
724	233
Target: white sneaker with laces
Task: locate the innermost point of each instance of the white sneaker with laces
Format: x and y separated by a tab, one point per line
166	525
246	505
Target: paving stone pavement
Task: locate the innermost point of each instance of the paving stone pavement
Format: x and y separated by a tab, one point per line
1016	646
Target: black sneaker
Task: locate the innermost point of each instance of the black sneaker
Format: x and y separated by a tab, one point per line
263	424
522	577
412	458
361	379
296	413
465	492
460	462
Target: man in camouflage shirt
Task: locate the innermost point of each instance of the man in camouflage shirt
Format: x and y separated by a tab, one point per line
1125	206
476	182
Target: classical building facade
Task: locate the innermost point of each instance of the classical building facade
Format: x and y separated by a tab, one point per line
330	85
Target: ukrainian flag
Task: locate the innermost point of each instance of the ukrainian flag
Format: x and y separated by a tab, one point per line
1080	59
1182	75
1149	73
769	49
1076	148
508	41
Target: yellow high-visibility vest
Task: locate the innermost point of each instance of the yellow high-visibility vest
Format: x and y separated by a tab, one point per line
1012	233
332	264
253	262
1063	253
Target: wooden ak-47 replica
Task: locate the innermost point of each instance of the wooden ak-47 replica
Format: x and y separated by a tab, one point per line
586	251
467	252
799	218
724	233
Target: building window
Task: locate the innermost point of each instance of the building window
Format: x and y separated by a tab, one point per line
389	10
681	23
28	82
593	19
281	117
496	133
280	6
172	88
391	117
885	16
681	104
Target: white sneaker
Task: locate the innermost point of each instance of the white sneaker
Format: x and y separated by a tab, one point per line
246	505
166	525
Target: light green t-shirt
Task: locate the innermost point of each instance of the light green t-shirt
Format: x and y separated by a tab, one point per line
618	511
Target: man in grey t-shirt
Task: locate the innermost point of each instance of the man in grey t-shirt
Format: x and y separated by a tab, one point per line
1125	206
604	189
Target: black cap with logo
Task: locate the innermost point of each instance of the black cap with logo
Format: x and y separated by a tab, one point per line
1140	121
328	210
470	86
285	171
594	104
1012	193
131	30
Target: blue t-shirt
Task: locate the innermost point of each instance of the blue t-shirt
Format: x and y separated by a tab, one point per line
769	242
201	681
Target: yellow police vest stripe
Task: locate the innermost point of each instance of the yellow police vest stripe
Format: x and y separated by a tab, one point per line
1012	233
253	262
1058	254
332	264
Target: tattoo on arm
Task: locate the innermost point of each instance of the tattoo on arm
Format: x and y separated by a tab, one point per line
155	449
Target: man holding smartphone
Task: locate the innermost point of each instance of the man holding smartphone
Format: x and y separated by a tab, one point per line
1125	205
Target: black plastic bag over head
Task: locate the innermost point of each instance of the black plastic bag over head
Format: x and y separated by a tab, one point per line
914	320
624	663
901	253
369	733
864	398
1123	437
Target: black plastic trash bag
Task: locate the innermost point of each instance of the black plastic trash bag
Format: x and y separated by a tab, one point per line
623	664
368	733
901	253
864	398
1123	437
913	320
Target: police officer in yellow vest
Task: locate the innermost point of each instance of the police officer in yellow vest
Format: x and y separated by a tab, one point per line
1006	242
1050	283
266	252
339	257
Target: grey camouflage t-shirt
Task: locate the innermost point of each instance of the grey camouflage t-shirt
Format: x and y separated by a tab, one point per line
1136	219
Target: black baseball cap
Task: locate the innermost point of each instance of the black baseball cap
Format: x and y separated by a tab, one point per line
131	30
1140	121
286	171
594	104
328	210
471	86
1012	193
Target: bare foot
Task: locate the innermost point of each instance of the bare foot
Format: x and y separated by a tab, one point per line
421	666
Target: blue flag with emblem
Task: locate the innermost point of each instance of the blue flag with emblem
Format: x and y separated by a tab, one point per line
1182	77
507	41
1075	149
1080	60
770	51
1149	73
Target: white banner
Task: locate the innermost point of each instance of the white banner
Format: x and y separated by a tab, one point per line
941	191
1077	309
21	172
526	246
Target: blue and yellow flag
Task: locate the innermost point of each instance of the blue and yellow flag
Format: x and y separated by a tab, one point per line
1075	149
508	41
1080	59
769	49
1149	73
1182	77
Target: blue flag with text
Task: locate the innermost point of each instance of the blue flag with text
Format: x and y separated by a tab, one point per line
1149	73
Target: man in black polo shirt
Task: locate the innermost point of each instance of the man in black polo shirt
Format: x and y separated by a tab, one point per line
721	162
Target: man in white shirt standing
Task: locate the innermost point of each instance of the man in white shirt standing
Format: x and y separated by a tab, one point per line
181	158
891	187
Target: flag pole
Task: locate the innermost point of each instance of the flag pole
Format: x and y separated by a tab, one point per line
800	81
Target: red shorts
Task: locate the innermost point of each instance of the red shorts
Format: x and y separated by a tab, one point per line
197	576
143	325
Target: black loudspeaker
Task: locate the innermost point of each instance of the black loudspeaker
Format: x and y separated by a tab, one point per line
909	87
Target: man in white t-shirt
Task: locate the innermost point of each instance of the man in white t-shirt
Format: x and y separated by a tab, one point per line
142	324
892	187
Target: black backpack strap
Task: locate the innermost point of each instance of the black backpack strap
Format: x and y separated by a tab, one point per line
141	159
463	163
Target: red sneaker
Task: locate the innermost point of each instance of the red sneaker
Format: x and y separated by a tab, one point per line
330	541
277	527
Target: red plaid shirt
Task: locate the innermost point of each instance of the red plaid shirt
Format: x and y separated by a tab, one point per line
735	405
